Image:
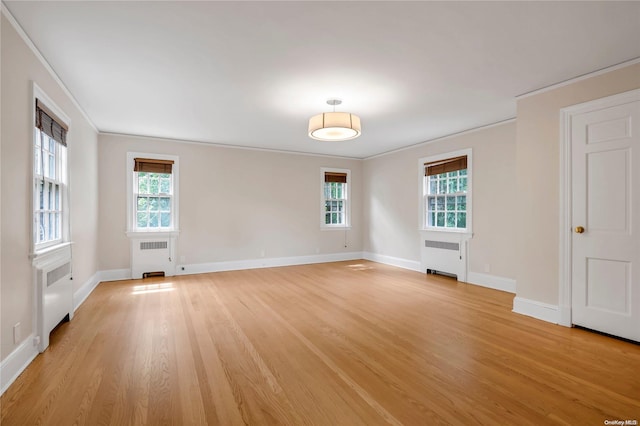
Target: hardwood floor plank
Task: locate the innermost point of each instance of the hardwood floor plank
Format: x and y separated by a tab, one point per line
346	343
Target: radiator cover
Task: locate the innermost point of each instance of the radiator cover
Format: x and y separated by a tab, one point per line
54	291
152	253
444	252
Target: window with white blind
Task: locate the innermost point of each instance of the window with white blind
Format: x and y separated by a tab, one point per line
446	192
49	175
335	207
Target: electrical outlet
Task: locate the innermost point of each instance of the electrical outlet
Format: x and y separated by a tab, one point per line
17	333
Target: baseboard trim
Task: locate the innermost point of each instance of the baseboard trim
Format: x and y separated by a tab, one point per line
13	365
114	275
492	281
235	265
81	294
535	309
413	265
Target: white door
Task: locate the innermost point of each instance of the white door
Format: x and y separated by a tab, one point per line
605	176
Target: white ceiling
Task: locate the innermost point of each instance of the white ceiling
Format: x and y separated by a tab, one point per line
252	73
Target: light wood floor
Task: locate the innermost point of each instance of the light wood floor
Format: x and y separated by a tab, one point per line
347	343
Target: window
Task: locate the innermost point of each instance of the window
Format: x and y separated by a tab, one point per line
335	198
50	176
153	194
447	192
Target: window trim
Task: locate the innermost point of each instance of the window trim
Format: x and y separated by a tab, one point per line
333	227
422	191
175	229
65	232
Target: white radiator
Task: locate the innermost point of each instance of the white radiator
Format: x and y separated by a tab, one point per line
445	254
150	255
54	294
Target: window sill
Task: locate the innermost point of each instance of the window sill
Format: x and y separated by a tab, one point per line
335	228
52	254
152	234
452	230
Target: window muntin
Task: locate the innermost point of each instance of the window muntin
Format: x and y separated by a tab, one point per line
447	200
49	166
335	208
153	195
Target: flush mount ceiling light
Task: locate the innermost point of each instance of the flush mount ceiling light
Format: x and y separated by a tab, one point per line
334	126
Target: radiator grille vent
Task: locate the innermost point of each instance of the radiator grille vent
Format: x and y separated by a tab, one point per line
153	245
55	275
442	245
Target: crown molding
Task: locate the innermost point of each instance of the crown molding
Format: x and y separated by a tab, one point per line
579	78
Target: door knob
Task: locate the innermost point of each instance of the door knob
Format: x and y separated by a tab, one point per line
579	229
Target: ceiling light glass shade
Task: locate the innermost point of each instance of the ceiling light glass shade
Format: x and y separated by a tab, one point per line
334	126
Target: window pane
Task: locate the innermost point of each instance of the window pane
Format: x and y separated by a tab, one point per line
339	220
57	206
143	183
462	203
453	185
432	219
153	220
58	226
165	186
52	167
40	227
440	203
432	184
52	226
143	203
142	219
440	219
154	184
442	186
463	184
334	218
431	203
451	220
451	203
165	220
165	204
153	203
41	195
327	218
463	172
462	220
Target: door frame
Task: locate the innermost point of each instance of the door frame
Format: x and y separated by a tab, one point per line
566	212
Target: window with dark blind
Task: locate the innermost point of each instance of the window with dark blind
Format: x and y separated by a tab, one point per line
50	176
153	194
446	193
335	199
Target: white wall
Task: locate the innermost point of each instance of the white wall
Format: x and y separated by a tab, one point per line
234	203
538	165
19	68
391	203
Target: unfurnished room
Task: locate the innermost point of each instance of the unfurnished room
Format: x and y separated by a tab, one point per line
319	213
